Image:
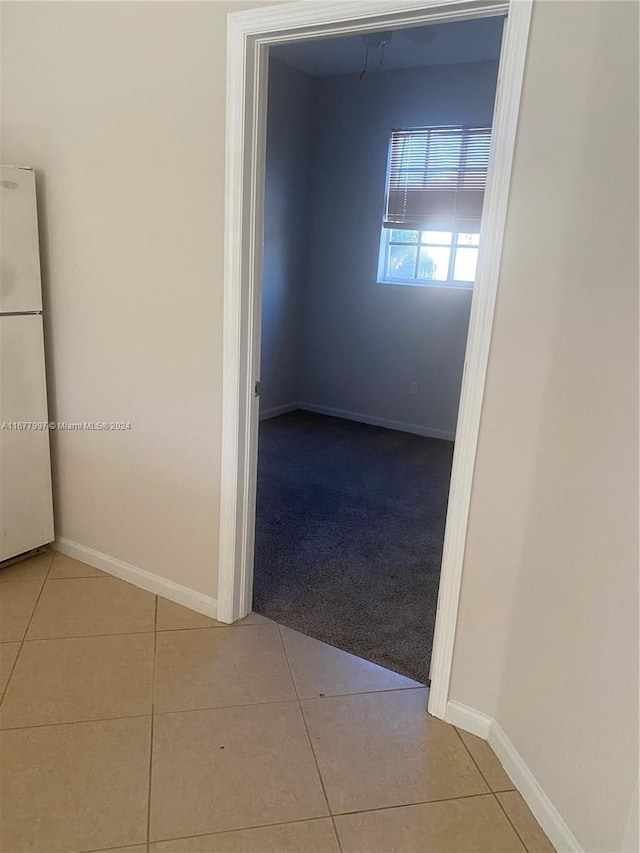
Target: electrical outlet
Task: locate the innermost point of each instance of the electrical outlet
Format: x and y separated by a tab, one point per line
413	388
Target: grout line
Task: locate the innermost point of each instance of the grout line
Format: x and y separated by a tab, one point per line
493	793
306	728
286	658
89	636
28	625
420	803
311	819
113	849
502	790
472	757
145	631
148	633
157	713
224	707
318	697
75	722
225	831
217	627
89	578
118	633
335	833
11	671
153	705
508	817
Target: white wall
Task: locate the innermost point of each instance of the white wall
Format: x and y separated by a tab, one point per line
285	234
547	639
365	342
121	108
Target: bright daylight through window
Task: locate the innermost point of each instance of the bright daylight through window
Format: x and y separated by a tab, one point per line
436	178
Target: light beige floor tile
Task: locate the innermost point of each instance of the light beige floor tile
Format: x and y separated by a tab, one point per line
309	836
33	569
525	823
472	825
90	678
67	567
486	759
82	786
8	652
322	670
382	749
172	617
232	768
79	607
214	667
17	602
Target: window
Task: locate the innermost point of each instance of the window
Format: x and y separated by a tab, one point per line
420	257
436	178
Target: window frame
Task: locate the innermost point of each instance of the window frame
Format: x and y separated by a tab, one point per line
453	246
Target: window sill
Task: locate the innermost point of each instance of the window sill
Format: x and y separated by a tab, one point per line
446	285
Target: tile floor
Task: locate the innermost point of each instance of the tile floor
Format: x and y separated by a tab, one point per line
129	723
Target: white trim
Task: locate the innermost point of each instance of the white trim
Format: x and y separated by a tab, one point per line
468	719
522	777
311	19
373	420
505	120
543	809
139	577
276	411
249	34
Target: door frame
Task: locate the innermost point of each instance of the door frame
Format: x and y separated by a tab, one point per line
248	35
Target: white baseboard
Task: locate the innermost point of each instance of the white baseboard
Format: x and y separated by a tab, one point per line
401	426
468	719
139	577
387	423
543	809
275	411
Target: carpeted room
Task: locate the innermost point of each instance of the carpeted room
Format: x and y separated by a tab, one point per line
349	535
360	371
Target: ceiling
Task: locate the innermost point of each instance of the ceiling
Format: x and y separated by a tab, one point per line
455	42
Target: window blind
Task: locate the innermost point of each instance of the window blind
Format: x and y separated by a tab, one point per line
436	178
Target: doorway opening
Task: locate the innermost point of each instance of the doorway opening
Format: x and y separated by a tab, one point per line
376	162
439	253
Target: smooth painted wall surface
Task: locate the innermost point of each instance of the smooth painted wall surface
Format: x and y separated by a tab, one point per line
365	342
547	639
287	203
120	107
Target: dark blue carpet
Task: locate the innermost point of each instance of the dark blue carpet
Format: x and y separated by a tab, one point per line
349	532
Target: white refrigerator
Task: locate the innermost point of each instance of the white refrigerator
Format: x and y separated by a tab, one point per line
26	508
